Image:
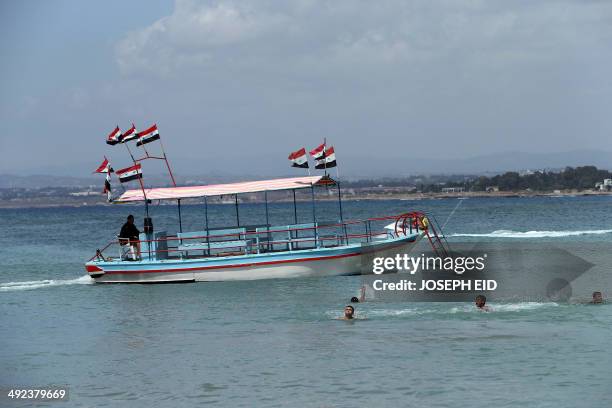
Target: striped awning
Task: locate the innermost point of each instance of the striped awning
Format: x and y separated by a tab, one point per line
173	193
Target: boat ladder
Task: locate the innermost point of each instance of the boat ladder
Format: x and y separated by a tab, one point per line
429	226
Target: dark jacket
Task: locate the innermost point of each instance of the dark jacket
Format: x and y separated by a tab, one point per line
129	231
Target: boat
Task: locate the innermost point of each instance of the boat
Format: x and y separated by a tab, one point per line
303	248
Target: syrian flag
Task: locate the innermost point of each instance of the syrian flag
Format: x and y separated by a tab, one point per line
107	188
147	136
130	134
299	159
328	160
114	137
104	167
319	152
129	173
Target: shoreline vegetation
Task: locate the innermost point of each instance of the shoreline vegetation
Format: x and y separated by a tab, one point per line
579	181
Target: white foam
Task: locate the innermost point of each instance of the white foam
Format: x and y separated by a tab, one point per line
517	307
27	285
534	234
464	308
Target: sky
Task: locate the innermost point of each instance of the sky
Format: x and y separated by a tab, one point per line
240	84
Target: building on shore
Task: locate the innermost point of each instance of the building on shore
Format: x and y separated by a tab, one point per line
453	190
606	185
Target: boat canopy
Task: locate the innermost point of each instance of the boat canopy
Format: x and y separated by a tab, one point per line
174	193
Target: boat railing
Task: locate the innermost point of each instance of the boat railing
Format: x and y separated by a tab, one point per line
268	238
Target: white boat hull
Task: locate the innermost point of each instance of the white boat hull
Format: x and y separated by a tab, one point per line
351	259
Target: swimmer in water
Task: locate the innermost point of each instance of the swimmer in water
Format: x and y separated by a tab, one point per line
597	298
361	297
480	302
349	312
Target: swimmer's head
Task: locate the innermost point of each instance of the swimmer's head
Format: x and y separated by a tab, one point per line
480	301
349	311
597	297
354	299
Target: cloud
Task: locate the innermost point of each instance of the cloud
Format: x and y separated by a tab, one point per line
331	36
192	35
453	77
462	77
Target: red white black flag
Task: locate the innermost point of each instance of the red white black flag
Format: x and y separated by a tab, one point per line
130	134
299	159
114	137
107	188
129	173
147	136
105	167
318	153
328	159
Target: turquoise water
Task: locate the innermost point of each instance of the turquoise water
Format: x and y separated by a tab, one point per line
276	342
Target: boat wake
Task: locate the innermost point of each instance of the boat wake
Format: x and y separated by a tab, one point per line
534	234
27	285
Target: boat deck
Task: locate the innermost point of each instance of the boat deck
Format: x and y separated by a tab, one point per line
253	240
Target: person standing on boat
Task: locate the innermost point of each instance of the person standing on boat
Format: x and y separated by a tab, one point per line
129	235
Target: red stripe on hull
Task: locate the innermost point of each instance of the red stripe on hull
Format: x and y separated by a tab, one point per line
201	268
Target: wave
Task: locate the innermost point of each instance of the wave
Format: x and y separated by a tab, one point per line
446	309
27	285
533	234
517	307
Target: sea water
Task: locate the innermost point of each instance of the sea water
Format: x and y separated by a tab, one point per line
277	342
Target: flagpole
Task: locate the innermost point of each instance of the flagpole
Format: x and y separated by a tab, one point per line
145	149
166	160
144	194
337	170
325	154
109	193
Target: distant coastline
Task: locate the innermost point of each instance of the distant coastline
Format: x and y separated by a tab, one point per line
98	200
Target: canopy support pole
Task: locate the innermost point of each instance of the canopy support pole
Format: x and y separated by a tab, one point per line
267	221
206	218
179	214
237	213
341	216
294	208
267	216
314	214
